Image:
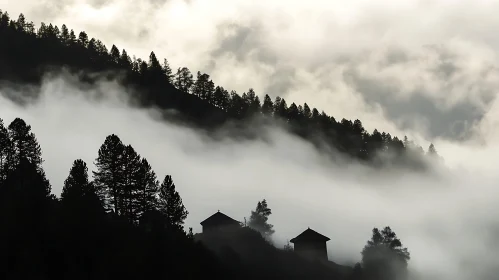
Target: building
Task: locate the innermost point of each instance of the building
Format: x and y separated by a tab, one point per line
311	244
217	221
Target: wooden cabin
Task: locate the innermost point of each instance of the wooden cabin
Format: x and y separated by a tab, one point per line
218	221
311	244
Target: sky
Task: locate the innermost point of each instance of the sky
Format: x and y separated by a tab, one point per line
426	69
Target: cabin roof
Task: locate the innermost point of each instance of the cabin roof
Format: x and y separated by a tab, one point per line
309	235
219	218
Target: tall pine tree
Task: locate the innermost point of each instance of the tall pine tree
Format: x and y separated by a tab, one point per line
170	204
5	151
147	188
24	143
109	174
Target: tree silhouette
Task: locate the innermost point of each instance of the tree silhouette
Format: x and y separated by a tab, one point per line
170	204
77	184
147	188
259	219
384	257
24	143
109	175
5	151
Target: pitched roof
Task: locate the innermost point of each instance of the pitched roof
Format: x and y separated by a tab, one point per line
219	218
309	235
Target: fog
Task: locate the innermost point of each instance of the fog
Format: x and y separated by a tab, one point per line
446	219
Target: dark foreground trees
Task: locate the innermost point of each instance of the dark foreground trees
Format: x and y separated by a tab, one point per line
117	226
124	225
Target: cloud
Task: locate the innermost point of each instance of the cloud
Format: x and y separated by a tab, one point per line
444	220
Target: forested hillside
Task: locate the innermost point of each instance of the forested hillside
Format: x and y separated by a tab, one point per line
123	223
27	53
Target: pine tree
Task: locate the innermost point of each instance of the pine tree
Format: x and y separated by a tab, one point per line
72	38
221	98
252	103
65	37
83	39
21	23
384	257
268	106
183	80
170	204
147	188
168	71
24	143
109	175
77	184
154	66
5	151
307	113
203	86
130	184
432	151
115	54
125	61
259	219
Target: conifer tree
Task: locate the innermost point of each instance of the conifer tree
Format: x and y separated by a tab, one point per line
65	37
109	174
115	54
130	183
170	204
78	193
125	61
268	106
259	219
24	143
384	257
183	80
432	151
168	71
154	66
5	151
147	188
76	184
307	113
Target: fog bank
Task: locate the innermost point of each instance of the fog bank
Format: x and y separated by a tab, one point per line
446	221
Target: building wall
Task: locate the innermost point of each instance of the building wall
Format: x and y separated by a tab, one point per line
312	249
218	227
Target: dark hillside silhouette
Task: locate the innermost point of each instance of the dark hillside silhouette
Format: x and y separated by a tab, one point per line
121	223
27	53
250	256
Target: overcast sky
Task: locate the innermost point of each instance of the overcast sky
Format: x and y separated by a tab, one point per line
418	66
427	69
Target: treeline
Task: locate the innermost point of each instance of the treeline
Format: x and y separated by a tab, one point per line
26	53
121	224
